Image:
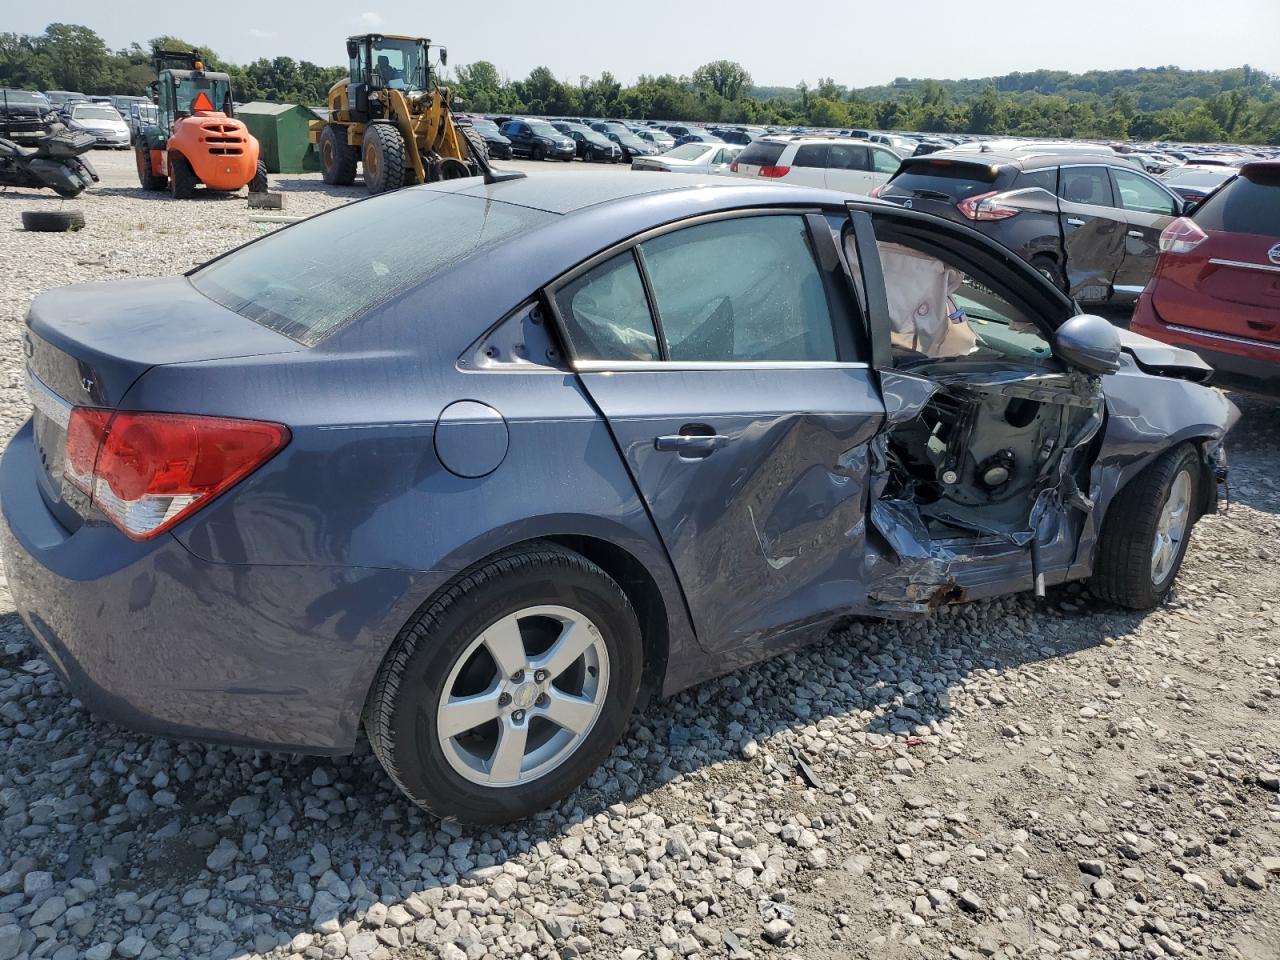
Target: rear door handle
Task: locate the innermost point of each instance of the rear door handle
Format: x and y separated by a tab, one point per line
690	445
1137	234
1075	221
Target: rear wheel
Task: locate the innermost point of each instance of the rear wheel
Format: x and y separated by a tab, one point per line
509	688
537	153
1146	531
146	177
383	158
259	183
182	179
338	159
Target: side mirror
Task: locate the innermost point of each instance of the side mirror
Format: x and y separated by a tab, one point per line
444	56
352	49
1188	206
1089	343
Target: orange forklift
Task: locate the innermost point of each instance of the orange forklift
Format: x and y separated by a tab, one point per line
195	138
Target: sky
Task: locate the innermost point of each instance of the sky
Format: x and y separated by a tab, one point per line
857	42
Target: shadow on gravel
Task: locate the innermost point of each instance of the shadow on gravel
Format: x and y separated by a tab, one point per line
287	184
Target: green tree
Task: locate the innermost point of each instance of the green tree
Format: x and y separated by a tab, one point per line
986	112
725	78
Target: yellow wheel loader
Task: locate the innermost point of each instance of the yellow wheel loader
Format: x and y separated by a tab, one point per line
389	117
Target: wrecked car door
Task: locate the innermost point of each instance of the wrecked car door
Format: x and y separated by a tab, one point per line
1093	230
720	351
979	477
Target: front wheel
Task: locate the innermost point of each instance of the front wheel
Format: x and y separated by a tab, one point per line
508	689
537	153
259	183
383	158
146	177
1146	530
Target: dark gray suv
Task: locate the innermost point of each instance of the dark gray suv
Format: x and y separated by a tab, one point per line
1090	223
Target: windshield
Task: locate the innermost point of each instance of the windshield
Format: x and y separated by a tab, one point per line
399	65
95	113
309	279
546	130
216	94
1199	178
687	151
485	126
25	97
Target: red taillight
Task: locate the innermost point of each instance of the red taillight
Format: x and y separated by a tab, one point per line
733	167
148	471
985	206
1181	236
773	172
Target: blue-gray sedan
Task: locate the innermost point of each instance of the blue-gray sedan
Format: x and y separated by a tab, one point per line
476	465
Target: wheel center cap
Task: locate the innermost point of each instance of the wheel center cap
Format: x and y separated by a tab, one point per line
524	696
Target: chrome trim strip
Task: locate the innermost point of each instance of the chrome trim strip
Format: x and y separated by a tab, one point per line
1224	336
1247	266
48	402
1128	288
628	366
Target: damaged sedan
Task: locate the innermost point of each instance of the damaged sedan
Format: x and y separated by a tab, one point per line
475	485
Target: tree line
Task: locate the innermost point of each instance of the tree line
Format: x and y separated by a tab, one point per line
1240	105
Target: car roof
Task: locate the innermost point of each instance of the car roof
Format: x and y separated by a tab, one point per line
564	193
1022	160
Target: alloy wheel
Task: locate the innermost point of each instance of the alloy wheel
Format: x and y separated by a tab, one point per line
523	696
1171	528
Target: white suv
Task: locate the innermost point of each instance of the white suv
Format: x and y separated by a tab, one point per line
837	163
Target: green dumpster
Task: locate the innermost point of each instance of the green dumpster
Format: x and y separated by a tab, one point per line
281	131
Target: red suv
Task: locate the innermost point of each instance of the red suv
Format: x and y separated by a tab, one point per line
1216	285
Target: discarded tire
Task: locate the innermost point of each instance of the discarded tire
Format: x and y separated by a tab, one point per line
52	221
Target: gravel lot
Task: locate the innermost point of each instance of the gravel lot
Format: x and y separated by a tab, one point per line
1013	778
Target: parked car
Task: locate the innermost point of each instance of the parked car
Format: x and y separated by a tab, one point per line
1193	182
60	98
142	114
697	136
538	140
499	146
659	139
592	146
902	146
102	121
24	115
837	163
740	137
1216	285
1091	224
703	158
630	145
551	479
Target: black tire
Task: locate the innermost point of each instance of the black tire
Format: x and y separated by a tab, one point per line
338	159
476	144
400	718
1048	268
537	153
52	221
182	179
1124	571
259	183
383	158
146	176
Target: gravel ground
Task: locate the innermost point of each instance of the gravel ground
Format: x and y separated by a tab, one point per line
1011	778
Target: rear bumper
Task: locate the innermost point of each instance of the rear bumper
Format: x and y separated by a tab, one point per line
152	637
1236	361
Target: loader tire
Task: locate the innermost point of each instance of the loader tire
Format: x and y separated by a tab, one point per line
383	158
259	183
146	177
182	179
52	221
475	143
338	159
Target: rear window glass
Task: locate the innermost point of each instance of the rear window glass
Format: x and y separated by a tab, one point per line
1249	204
955	181
811	155
1046	179
687	151
762	154
307	280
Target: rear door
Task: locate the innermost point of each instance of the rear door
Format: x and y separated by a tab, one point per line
1093	230
1230	282
884	164
809	166
738	399
1147	209
849	168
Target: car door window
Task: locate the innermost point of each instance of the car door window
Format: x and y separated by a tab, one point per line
884	161
606	313
848	157
1138	193
1088	185
1046	179
745	289
811	155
